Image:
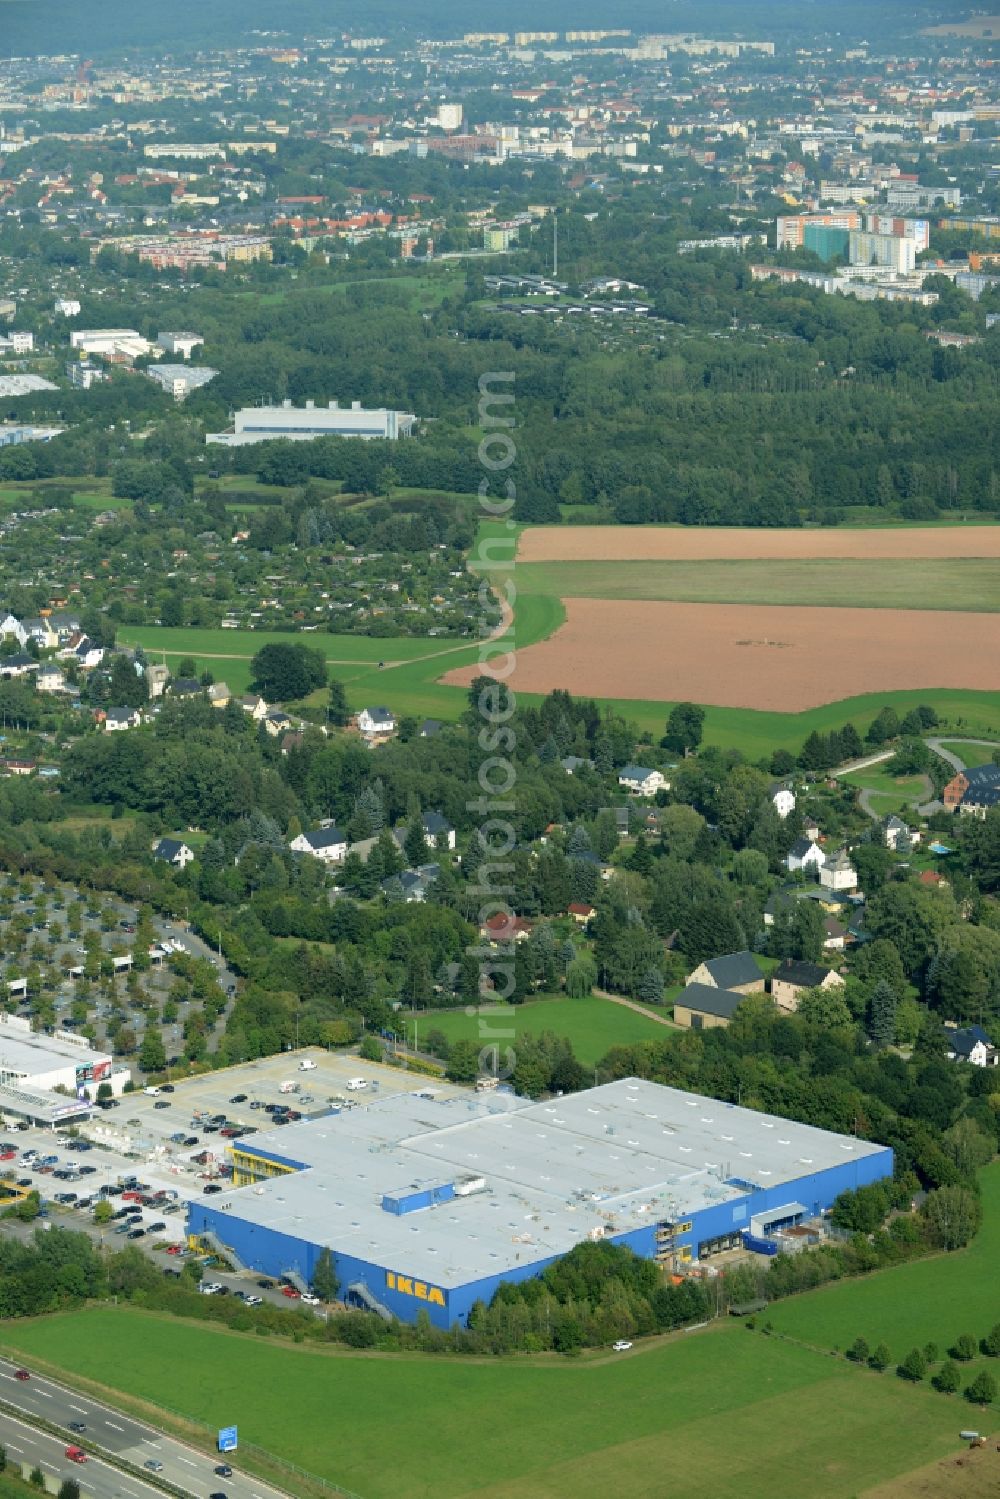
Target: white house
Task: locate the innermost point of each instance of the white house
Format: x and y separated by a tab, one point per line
438	831
973	1045
51	678
122	718
782	799
172	851
327	844
804	854
11	625
839	873
376	723
899	836
66	307
639	780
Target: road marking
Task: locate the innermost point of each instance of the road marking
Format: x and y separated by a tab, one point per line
81	1409
186	1460
114	1425
46	1393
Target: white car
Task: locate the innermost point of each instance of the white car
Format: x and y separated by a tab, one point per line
309	1299
253	1301
622	1346
212	1289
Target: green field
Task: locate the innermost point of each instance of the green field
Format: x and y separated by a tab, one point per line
972	754
889	793
727	1414
947	583
929	1300
593	1025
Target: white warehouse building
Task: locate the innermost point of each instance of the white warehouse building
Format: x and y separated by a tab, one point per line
305	423
33	1067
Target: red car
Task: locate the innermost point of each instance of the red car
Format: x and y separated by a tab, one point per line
291	1293
173	1249
21	1374
76	1454
7	1155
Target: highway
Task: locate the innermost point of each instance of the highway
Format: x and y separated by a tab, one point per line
133	1441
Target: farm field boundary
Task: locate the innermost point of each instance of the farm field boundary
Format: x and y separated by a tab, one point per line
696	543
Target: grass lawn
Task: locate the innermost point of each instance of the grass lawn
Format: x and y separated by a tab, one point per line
928	1301
972	754
945	583
727	1413
593	1025
889	793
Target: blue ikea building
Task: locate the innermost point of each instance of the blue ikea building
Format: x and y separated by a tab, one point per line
429	1199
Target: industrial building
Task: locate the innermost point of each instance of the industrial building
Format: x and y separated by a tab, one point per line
179	380
305	423
50	1079
428	1202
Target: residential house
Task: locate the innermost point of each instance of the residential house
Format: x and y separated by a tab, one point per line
735	970
376	724
157	677
19	767
835	935
703	1007
414	883
580	911
121	718
839	873
186	687
973	1045
810	829
18	665
806	855
173	851
275	722
254	704
438	831
292	741
429	728
51	678
572	763
973	790
219	695
40	630
792	976
10	625
640	780
898	836
782	798
86	654
65	624
503	927
329	845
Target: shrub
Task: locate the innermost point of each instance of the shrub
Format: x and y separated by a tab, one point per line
963	1348
881	1358
858	1351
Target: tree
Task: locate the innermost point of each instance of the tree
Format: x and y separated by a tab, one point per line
991	1343
103	1211
371	1049
287	672
324	1279
69	1489
964	1348
982	1390
825	1008
684	728
415	843
882	1025
881	1358
337	708
913	1366
948	1378
152	1053
650	989
858	1352
951	1217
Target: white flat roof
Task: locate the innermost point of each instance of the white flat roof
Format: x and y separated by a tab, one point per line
30	1054
616	1158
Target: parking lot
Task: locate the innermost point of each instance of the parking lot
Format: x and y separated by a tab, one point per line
135	1140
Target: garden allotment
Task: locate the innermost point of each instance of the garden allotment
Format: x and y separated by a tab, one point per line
428	1202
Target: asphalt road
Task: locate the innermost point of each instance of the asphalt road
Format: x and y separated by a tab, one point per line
26	1445
185	1467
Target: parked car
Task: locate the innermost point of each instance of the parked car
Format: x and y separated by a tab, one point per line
253	1301
211	1187
309	1299
291	1293
211	1288
166	1087
622	1346
162	1103
238	1098
157	1228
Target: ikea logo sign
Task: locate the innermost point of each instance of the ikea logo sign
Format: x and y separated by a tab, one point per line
407	1286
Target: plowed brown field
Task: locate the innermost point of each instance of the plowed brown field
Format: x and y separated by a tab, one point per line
691	543
756	656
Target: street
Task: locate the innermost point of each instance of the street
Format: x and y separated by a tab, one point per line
119	1434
